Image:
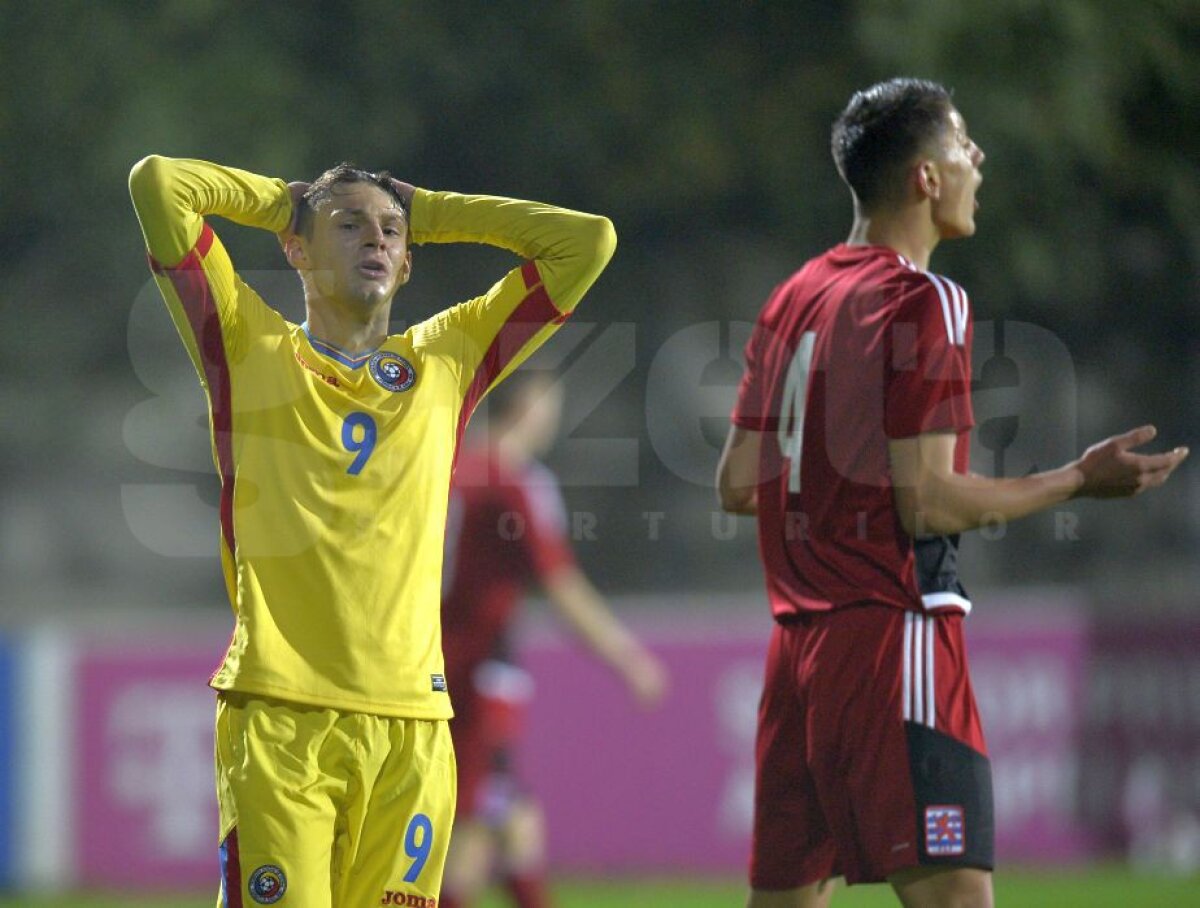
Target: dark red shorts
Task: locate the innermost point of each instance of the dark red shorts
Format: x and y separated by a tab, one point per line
489	717
870	753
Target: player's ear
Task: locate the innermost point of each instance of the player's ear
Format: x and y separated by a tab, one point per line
929	180
405	269
293	248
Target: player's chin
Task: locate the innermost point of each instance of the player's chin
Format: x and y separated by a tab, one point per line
372	293
962	227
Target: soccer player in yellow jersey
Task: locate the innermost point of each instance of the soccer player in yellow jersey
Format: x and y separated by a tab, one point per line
334	442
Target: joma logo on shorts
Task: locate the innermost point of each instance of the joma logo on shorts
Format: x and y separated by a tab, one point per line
407	900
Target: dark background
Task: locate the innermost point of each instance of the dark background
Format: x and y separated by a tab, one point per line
701	129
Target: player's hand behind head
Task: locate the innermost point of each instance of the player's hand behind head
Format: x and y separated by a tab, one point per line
296	191
1112	469
405	191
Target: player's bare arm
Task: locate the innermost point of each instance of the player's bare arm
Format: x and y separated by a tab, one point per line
737	471
583	608
933	500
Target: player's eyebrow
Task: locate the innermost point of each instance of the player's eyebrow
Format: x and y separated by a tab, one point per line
395	213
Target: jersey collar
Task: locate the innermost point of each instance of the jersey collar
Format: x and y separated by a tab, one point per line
350	360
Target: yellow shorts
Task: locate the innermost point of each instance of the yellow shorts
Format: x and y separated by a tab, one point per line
322	808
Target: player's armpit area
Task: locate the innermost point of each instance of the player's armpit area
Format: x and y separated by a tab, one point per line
737	472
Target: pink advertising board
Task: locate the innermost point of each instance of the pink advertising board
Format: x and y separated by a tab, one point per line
672	789
626	788
143	749
668	790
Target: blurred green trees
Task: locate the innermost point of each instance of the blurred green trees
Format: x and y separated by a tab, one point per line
700	128
672	116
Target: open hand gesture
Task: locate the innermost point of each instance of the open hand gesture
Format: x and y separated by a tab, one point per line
1112	469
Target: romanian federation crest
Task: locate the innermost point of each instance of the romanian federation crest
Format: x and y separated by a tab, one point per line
392	371
267	884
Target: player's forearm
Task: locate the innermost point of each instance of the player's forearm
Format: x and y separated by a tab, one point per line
738	501
948	504
571	248
172	195
577	601
737	471
737	495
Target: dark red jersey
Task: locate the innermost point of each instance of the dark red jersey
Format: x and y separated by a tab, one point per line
856	348
505	531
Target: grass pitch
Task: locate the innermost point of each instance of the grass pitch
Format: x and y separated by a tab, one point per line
1106	887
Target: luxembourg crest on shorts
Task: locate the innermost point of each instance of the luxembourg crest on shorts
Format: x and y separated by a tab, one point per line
267	884
392	371
945	832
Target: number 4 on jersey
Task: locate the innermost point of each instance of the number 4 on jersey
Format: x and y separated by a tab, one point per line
791	408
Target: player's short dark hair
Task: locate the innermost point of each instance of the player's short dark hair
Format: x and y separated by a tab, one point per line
882	130
320	191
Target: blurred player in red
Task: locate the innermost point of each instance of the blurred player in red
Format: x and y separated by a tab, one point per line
507	530
850	443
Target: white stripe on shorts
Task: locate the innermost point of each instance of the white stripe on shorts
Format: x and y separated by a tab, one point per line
917	683
906	690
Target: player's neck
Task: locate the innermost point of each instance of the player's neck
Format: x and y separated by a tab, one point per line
908	231
347	330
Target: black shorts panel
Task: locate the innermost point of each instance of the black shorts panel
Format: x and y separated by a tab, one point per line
952	785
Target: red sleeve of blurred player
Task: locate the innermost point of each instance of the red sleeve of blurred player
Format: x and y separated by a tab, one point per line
546	541
504	532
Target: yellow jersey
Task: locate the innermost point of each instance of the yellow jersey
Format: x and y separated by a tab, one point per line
335	469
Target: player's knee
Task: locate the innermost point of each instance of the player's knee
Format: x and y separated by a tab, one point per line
815	895
960	887
525	836
468	861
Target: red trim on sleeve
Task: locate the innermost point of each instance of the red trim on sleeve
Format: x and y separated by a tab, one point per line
200	250
534	313
530	273
546	536
231	870
195	295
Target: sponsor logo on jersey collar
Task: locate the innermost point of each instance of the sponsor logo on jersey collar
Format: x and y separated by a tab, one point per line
392	371
328	379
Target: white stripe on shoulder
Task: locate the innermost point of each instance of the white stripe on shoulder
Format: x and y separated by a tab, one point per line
961	309
542	491
960	312
943	293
